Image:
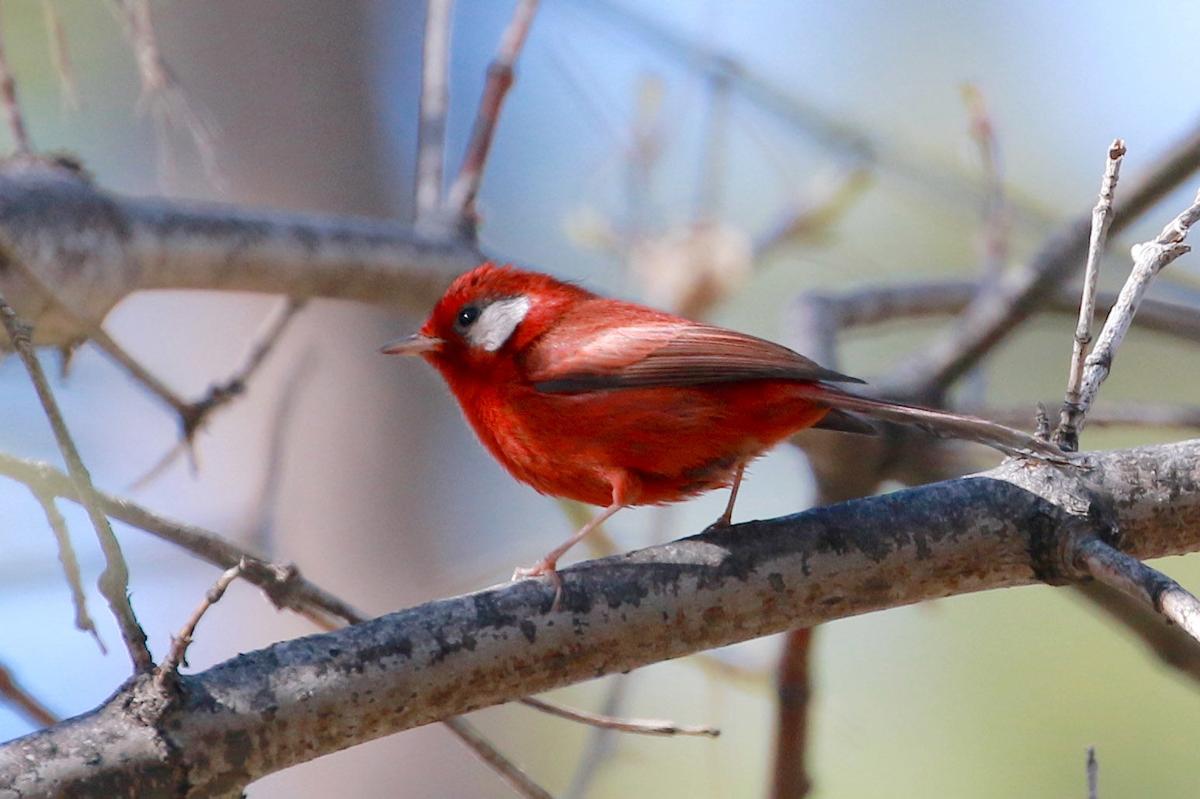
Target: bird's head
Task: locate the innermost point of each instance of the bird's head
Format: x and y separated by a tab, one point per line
487	315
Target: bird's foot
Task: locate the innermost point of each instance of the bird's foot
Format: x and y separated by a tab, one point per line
543	568
720	525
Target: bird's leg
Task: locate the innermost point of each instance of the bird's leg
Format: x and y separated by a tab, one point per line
727	517
547	566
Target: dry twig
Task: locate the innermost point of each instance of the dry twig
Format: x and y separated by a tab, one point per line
1149	259
114	581
638	726
177	656
29	705
431	130
992	317
70	564
516	778
1093	774
193	415
461	199
1067	434
162	93
1134	578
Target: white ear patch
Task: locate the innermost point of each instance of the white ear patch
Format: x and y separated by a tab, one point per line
497	322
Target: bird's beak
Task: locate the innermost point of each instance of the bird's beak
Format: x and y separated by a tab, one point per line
415	344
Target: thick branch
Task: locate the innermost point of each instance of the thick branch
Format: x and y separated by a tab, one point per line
267	710
873	306
96	248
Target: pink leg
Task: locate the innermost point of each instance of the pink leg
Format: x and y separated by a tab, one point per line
623	494
727	517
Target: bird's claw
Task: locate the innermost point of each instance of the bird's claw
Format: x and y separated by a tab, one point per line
720	525
542	568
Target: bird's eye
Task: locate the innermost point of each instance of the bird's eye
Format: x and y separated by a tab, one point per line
467	316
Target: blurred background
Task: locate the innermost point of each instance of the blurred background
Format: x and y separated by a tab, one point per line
614	154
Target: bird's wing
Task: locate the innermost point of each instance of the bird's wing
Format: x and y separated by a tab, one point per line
617	345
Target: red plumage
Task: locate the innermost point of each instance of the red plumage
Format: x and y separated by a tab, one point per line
615	404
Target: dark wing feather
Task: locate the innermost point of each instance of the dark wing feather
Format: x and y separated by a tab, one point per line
585	352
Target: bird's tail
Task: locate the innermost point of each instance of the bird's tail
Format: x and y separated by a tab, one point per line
940	423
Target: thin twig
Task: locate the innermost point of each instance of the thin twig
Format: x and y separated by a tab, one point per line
992	317
284	586
1130	414
193	415
638	726
60	55
994	213
1130	576
169	104
177	655
1171	645
19	697
516	778
461	199
431	130
1093	774
1149	259
12	107
1067	435
995	206
114	581
70	564
601	742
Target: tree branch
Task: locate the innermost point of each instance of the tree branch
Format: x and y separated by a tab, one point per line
461	198
114	580
96	248
267	710
1067	434
993	316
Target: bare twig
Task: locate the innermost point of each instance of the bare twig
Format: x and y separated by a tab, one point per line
601	742
70	564
1093	774
638	726
193	415
169	104
114	581
993	316
995	206
12	107
1132	414
60	55
1130	576
283	585
1067	434
30	706
1148	259
461	199
1171	645
177	655
516	778
880	305
431	130
994	212
790	778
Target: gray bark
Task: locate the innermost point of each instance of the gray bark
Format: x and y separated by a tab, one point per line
267	710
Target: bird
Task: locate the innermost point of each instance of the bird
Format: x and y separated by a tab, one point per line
616	404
